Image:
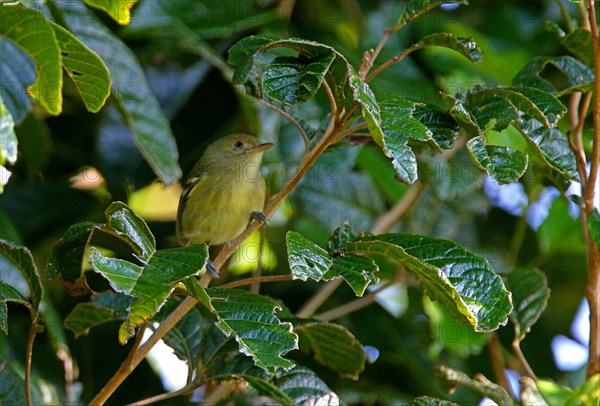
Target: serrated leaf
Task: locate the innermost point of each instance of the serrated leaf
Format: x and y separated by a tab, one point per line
553	147
15	258
30	30
594	226
429	401
493	113
118	10
501	163
85	68
251	320
467	47
533	102
579	78
8	144
333	346
67	255
579	42
104	308
151	283
296	80
441	125
414	9
241	55
530	293
305	388
138	106
399	127
266	388
308	260
22	260
122	222
463	282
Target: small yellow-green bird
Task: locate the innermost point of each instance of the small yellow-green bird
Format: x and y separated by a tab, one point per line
224	191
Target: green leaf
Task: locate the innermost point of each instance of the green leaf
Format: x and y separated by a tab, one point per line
296	80
463	282
266	388
85	68
123	223
308	260
501	163
429	401
594	226
251	320
442	127
104	308
30	30
118	10
579	43
21	258
560	233
333	346
553	147
14	258
530	293
150	283
399	127
8	144
242	53
305	387
579	78
533	102
20	68
414	9
67	256
494	113
131	92
467	47
585	394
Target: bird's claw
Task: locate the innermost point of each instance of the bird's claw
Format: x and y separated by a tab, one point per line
212	269
260	216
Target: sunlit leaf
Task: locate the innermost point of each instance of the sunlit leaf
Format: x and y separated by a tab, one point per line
251	319
467	47
463	282
30	30
118	10
305	387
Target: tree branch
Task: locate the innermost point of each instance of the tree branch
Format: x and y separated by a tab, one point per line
257	279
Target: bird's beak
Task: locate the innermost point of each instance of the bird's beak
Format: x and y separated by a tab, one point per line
260	147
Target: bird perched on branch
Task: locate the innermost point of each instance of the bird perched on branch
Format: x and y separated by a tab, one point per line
224	191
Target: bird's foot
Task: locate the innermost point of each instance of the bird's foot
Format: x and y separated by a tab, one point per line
260	216
212	269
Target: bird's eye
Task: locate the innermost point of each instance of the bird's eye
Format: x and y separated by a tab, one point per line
238	145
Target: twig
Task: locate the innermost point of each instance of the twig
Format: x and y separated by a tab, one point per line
390	62
291	119
257	279
575	137
29	354
517	349
593	275
354	305
497	361
312	304
348	131
385	222
168	395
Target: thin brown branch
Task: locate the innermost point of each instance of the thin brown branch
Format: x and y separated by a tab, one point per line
522	359
257	279
332	103
291	119
371	55
387	220
167	395
349	131
320	296
593	263
29	354
497	361
390	62
577	113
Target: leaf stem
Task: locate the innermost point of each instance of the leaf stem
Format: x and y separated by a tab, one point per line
29	354
517	349
390	62
497	360
291	119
